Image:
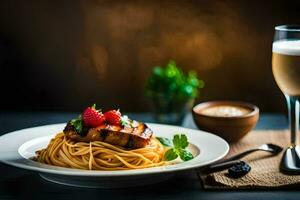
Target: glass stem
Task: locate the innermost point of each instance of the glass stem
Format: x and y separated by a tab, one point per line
293	107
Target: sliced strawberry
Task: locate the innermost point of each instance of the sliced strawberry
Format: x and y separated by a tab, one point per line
92	117
113	117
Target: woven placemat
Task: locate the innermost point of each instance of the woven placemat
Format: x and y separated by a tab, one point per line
265	171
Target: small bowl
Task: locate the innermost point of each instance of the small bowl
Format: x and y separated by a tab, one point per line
231	128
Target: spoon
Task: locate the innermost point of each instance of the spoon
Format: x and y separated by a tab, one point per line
229	162
272	148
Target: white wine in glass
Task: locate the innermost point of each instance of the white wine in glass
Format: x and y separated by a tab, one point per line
286	70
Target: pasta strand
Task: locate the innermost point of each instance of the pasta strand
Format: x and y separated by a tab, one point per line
99	155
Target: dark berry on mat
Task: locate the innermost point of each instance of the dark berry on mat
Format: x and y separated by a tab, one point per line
239	170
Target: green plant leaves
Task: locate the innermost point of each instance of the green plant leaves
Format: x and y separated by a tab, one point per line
180	141
178	148
165	141
171	82
77	123
185	155
171	154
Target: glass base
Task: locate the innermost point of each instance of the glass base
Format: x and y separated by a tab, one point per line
290	162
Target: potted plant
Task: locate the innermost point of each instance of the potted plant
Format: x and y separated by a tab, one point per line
172	92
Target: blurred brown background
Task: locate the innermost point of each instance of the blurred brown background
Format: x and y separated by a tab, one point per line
64	55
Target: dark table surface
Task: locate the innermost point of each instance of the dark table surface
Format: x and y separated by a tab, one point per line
22	184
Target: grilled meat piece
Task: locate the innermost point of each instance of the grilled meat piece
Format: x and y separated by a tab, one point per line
129	137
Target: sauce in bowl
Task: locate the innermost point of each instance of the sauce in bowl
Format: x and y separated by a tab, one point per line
225	111
231	120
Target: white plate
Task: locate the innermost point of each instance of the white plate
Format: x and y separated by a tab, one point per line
16	147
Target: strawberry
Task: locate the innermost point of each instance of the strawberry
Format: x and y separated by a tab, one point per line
113	117
92	117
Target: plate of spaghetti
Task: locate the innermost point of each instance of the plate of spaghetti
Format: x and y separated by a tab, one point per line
108	149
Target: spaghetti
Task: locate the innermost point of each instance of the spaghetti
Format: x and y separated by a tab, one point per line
99	155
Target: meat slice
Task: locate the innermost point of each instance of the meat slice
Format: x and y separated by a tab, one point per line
125	136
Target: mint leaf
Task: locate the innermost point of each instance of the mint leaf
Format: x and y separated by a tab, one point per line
180	141
165	141
176	141
77	123
183	141
124	123
171	154
185	155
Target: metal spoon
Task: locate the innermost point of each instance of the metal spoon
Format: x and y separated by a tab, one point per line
229	162
272	148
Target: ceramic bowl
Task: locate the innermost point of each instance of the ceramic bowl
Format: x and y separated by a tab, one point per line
230	128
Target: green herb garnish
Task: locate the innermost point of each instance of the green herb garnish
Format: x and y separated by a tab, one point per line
165	141
77	123
125	121
178	148
180	141
171	154
185	155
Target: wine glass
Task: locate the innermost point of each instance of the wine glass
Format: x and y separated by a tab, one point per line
286	71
